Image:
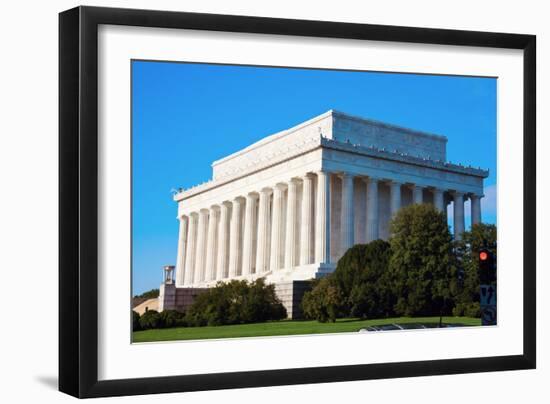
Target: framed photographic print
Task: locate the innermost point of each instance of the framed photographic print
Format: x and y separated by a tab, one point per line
250	201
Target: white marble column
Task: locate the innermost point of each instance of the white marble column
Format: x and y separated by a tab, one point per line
372	210
417	194
189	277
235	239
475	206
306	233
291	226
262	250
395	197
347	221
458	214
248	237
277	236
182	250
200	259
439	201
322	219
211	244
223	238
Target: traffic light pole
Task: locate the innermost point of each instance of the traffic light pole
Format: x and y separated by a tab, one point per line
487	287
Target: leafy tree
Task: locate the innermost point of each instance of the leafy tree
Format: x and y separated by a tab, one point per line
467	293
358	287
150	294
324	302
422	266
362	276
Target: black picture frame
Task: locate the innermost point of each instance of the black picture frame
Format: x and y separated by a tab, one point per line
78	201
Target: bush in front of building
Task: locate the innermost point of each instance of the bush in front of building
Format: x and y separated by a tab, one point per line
324	302
236	302
150	319
171	318
153	319
135	321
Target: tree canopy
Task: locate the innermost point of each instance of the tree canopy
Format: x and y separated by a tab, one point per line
150	294
422	265
358	287
420	271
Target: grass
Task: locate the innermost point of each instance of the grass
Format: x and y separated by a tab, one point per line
286	327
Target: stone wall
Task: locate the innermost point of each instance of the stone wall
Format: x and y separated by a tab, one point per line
291	294
172	298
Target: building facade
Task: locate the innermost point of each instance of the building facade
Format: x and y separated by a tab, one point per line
287	207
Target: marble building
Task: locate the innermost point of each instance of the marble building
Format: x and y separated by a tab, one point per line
287	207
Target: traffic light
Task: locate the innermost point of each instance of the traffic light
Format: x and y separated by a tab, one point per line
487	270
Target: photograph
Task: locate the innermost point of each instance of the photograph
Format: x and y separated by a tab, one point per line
271	201
275	202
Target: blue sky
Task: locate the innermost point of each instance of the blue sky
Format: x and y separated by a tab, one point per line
187	115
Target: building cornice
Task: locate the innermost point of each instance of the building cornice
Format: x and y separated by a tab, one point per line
394	155
308	145
330	113
269	160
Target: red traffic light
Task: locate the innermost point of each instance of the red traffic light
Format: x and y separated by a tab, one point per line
483	256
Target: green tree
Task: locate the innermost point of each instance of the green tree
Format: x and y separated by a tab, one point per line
422	265
359	286
150	294
467	293
362	276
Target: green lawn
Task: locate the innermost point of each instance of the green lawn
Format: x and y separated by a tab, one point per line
286	327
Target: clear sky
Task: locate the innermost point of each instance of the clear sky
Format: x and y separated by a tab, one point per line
186	115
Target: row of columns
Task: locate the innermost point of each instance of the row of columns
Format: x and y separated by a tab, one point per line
219	243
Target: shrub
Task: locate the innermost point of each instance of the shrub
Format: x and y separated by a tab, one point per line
171	318
324	302
150	319
471	309
135	321
236	302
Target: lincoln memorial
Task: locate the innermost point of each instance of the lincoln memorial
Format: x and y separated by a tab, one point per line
287	207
